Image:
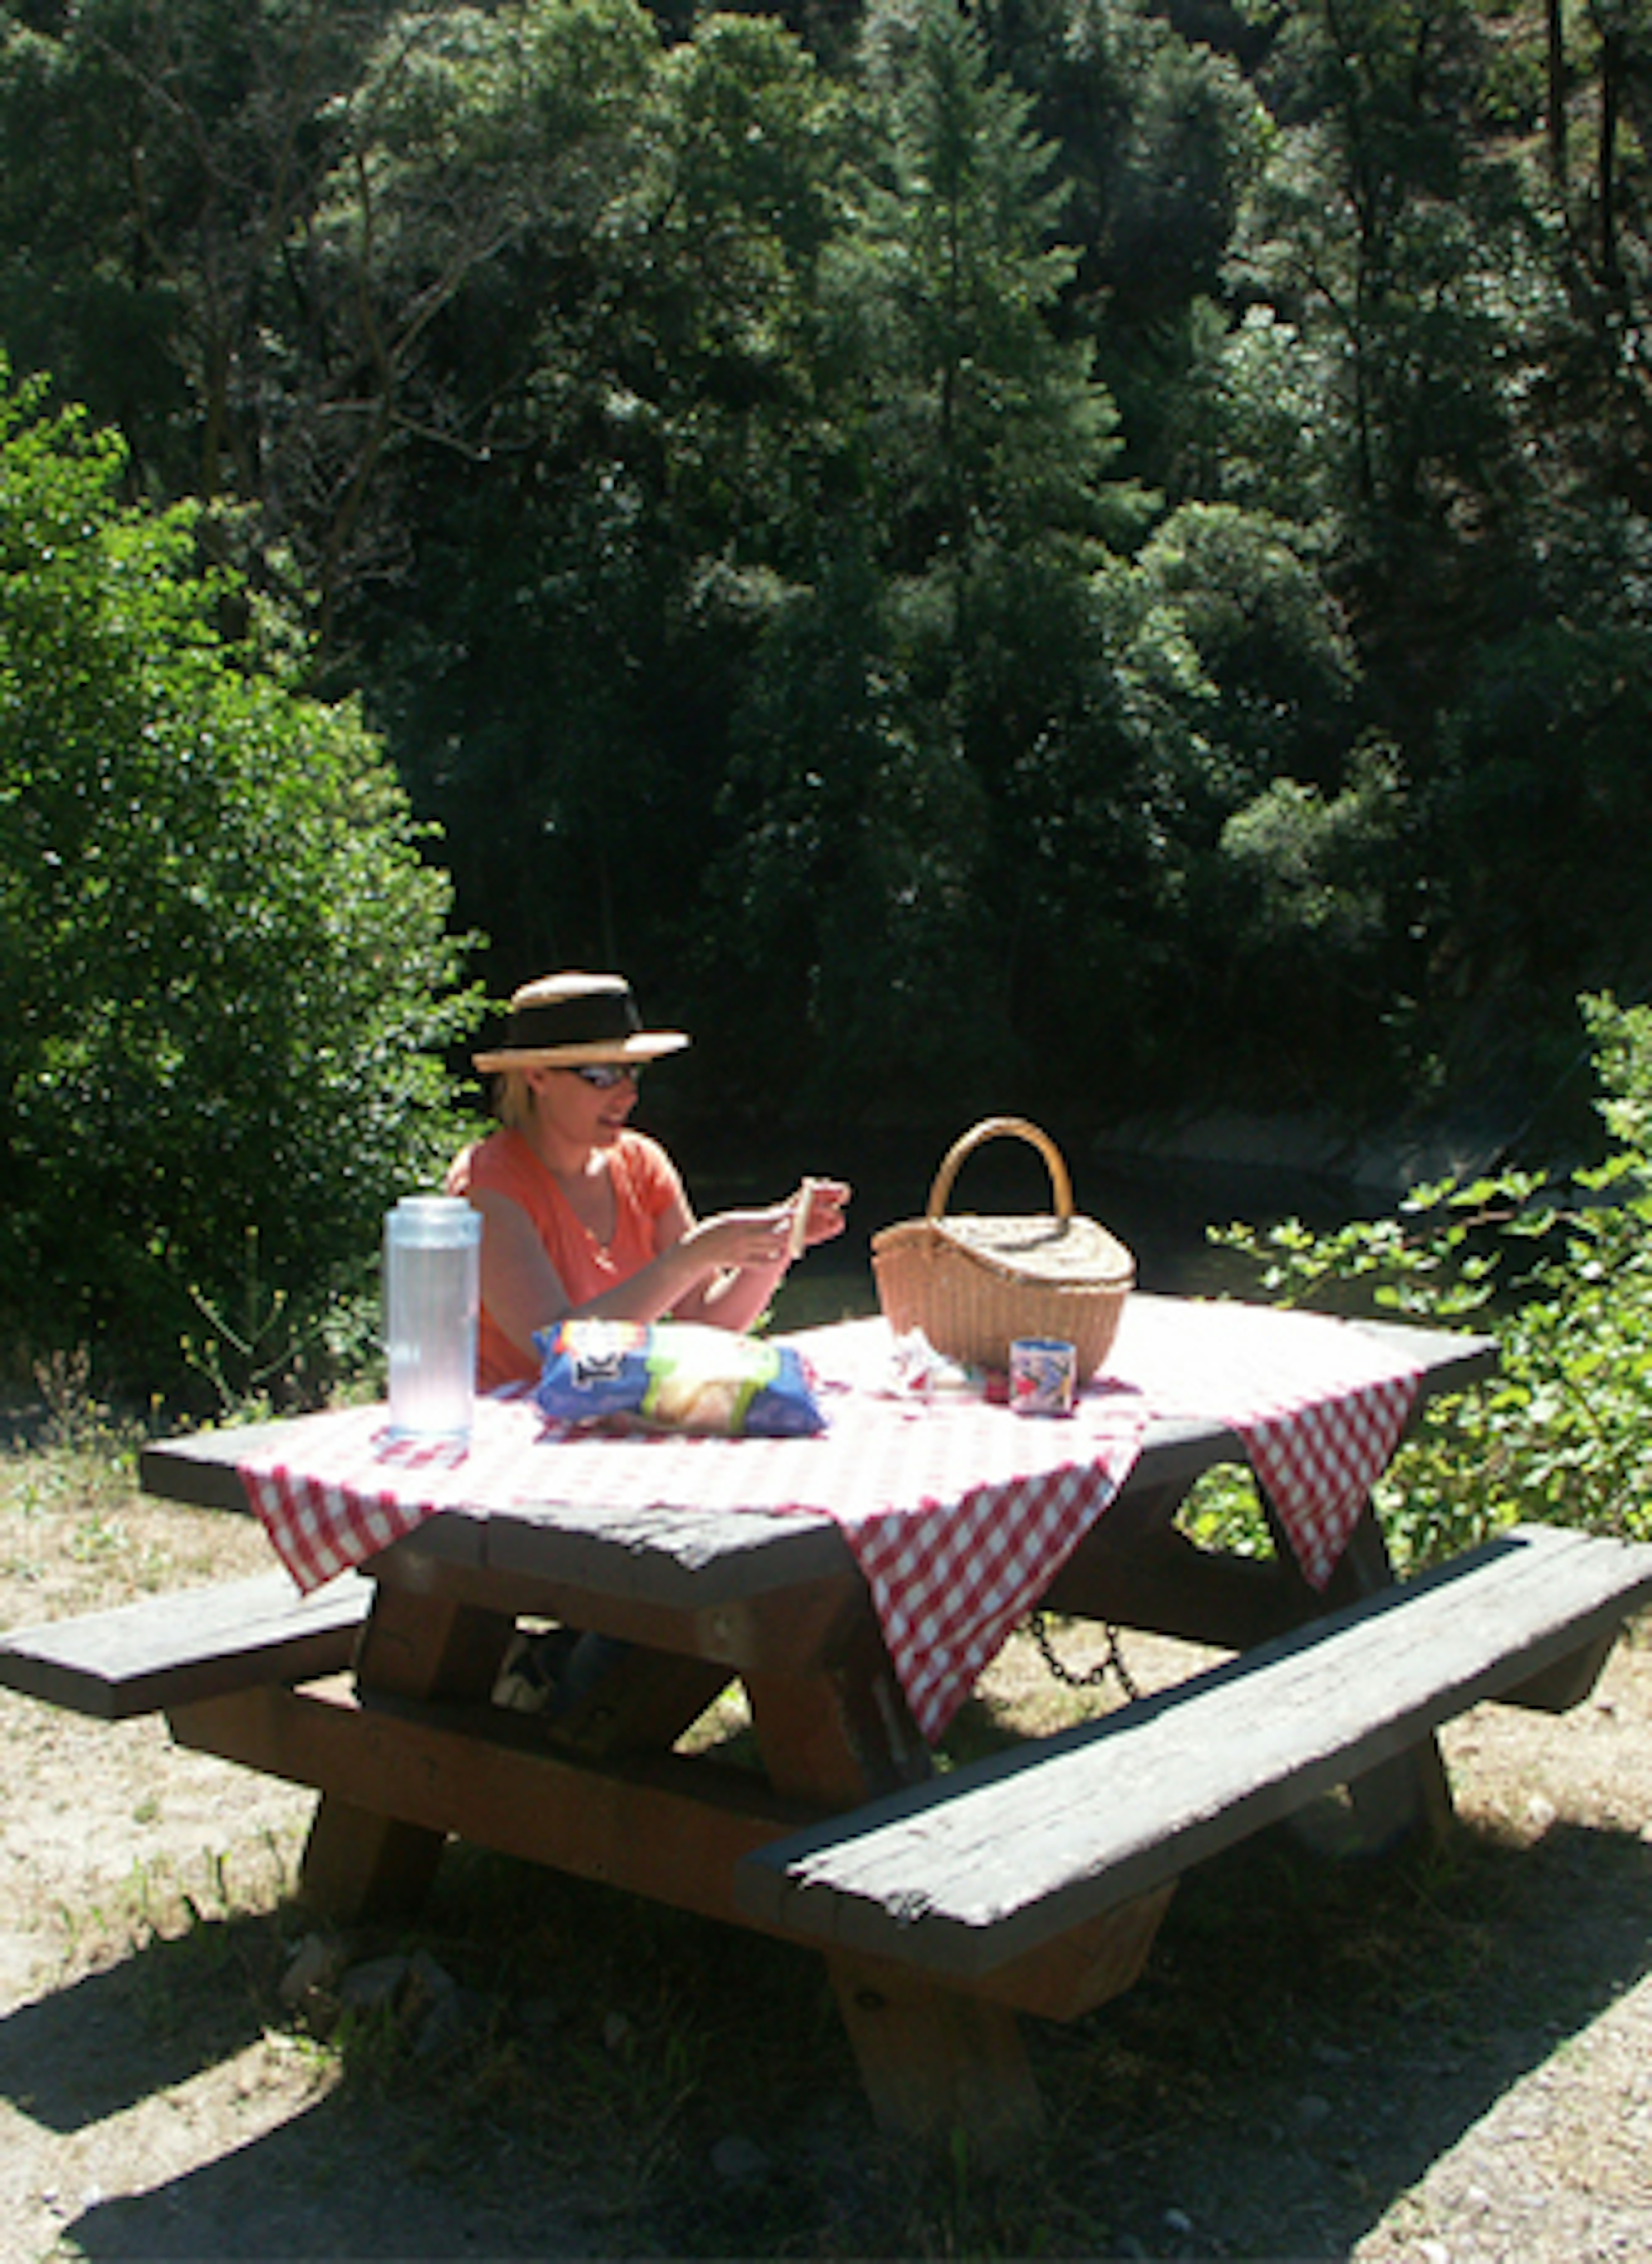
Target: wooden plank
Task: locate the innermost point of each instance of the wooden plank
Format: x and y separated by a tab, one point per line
641	1702
193	1643
680	1558
686	1559
791	1630
202	1469
1455	1359
359	1866
1409	1793
670	1828
839	1735
1164	1583
981	1865
1556	1689
723	1571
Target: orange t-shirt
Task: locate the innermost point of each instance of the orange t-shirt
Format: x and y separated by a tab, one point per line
645	1183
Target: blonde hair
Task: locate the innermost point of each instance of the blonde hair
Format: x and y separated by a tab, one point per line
512	1098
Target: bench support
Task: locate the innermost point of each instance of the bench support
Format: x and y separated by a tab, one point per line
1566	1684
358	1866
932	2061
395	1781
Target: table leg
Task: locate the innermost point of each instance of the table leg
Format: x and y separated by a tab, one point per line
359	1865
931	2059
841	1734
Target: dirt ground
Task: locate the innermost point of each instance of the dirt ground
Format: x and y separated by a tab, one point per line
1443	2061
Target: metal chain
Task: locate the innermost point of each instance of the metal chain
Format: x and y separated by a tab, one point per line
1093	1677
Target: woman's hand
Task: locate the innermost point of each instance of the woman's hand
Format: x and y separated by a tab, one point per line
815	1213
736	1240
740	1255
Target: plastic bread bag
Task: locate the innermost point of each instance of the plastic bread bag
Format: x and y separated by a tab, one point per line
675	1375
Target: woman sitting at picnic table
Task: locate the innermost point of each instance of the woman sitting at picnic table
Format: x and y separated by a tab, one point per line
582	1217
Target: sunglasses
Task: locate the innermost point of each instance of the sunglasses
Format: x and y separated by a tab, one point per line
605	1074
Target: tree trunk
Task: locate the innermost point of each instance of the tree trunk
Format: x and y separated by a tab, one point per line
1612	56
1556	119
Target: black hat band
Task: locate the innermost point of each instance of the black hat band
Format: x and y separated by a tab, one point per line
596	1017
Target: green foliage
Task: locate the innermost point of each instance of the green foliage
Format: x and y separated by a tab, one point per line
227	969
1160	138
1189	440
1311	867
162	167
1377	238
1560	1276
984	423
894	740
637	480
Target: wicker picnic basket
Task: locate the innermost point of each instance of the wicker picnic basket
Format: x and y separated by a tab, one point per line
974	1284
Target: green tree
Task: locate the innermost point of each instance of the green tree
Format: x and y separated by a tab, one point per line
227	968
163	170
1157	140
1386	240
1247	593
594	568
875	866
1591	387
234	230
1172	913
861	833
481	158
1540	814
982	427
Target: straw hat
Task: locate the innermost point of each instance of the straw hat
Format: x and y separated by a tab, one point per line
564	1019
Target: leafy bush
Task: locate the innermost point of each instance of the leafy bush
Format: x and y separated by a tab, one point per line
1560	1274
226	970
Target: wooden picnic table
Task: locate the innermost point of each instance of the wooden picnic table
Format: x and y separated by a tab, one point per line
412	1748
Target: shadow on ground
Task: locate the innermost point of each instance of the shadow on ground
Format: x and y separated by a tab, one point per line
1310	2039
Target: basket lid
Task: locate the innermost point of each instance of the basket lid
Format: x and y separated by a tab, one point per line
1072	1252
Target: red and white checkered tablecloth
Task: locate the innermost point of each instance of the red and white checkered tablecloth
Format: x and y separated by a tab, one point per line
958	1516
959	1512
346	1489
1321	1404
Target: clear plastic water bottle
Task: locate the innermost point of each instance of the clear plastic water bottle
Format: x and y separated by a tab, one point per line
432	1266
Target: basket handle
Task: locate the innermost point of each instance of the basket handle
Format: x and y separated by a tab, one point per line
993	1127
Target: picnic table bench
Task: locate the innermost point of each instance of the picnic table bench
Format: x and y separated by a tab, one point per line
168	1651
945	1903
973	1868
